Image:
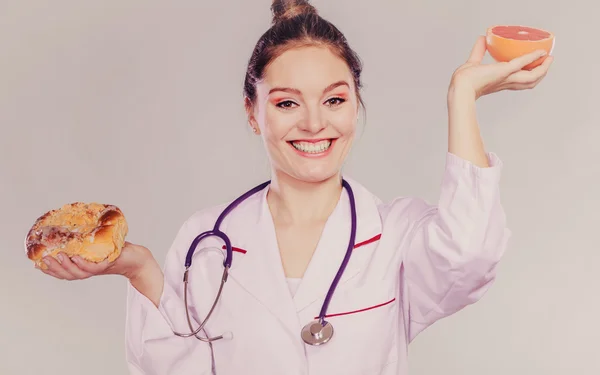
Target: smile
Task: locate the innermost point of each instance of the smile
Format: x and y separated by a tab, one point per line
312	147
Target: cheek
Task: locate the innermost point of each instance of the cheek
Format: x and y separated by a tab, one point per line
277	124
344	122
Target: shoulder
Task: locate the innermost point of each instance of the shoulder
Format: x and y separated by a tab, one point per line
409	208
205	218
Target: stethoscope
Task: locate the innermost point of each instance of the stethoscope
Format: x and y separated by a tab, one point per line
317	332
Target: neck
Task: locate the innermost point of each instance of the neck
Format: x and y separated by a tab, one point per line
292	201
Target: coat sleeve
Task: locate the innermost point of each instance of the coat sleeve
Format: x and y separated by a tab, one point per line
151	346
454	247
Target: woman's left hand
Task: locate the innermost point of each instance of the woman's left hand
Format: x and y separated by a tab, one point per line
479	79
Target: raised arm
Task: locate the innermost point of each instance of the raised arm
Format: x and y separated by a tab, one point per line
473	80
454	247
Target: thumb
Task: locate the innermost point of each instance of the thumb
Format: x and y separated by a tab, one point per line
478	51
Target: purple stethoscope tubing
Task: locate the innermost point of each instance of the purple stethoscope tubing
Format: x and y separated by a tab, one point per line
229	251
217	232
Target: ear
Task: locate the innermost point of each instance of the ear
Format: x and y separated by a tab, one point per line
250	114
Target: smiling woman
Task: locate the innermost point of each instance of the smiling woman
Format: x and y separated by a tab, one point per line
306	106
310	249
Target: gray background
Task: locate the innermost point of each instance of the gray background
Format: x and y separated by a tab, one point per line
138	103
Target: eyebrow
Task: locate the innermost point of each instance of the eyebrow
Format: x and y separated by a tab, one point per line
296	91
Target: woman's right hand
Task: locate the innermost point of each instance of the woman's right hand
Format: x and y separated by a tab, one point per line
135	262
130	263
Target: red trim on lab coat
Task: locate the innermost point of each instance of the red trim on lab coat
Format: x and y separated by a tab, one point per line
370	240
361	310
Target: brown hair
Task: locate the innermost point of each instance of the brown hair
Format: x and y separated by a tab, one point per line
297	23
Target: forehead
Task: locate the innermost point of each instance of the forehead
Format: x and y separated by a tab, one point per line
308	69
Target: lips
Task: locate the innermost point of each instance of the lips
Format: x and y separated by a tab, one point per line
312	146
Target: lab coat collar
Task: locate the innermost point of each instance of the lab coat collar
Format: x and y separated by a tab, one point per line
332	247
258	268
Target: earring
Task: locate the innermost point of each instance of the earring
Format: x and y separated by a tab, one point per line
254	130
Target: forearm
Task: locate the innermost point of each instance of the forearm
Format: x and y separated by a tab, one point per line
149	281
464	137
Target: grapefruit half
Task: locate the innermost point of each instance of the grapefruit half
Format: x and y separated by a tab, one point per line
506	42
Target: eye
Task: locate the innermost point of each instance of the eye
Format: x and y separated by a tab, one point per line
286	104
335	101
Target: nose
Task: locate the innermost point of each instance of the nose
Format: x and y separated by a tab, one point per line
313	121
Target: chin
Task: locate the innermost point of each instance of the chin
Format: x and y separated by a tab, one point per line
315	175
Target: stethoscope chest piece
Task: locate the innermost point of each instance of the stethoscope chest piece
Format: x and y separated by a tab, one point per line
317	333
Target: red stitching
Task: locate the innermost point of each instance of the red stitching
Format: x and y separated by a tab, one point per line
237	249
361	310
370	240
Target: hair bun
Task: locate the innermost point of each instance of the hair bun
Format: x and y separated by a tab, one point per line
287	9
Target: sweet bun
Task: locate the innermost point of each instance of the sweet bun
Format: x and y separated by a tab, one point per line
93	231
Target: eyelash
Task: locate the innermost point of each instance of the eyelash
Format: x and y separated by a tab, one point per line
282	104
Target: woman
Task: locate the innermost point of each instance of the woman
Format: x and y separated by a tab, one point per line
411	263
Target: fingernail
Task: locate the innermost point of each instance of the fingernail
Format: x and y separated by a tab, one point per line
60	258
75	259
46	261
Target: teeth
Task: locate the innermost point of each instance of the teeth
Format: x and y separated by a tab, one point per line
312	147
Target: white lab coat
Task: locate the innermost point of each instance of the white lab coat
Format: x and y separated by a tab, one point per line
413	264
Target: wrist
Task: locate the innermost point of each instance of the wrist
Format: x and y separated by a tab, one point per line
461	106
458	91
143	264
148	280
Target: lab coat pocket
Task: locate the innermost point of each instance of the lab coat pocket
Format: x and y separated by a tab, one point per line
364	298
365	321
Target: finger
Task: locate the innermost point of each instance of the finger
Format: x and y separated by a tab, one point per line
90	267
478	51
536	74
50	273
56	268
72	268
44	269
519	86
520	62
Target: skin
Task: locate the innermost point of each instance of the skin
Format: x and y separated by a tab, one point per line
305	190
